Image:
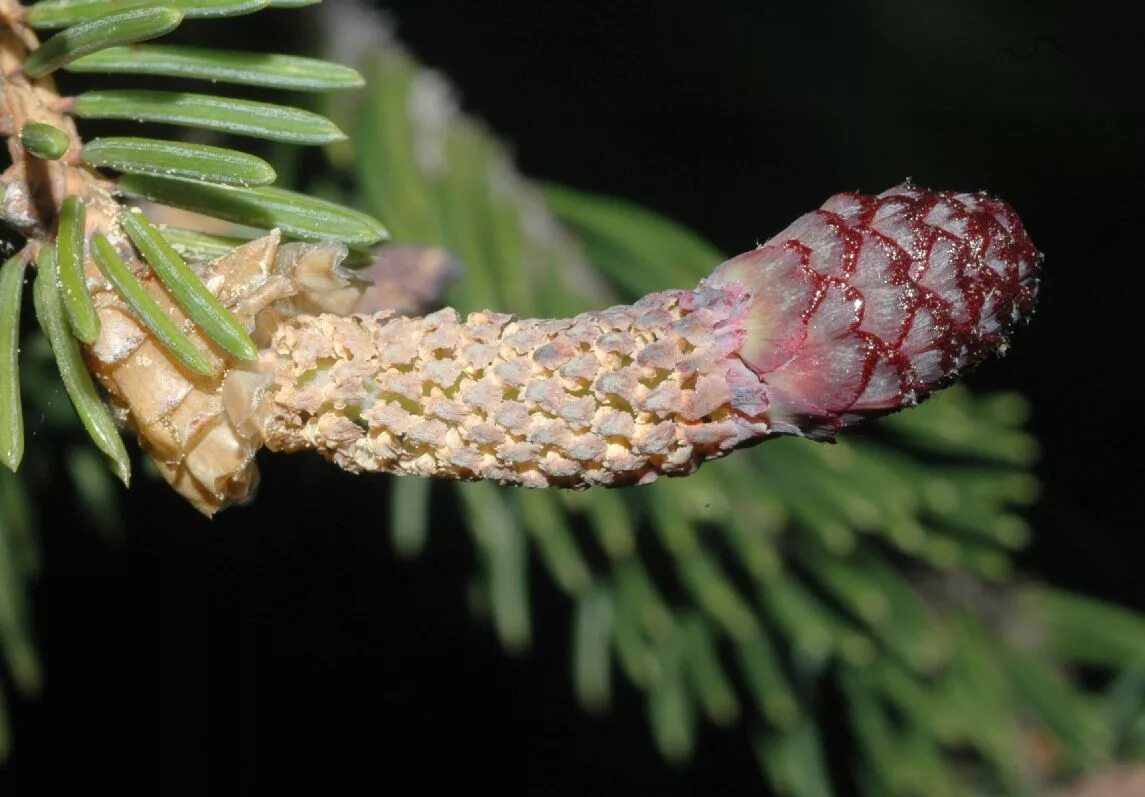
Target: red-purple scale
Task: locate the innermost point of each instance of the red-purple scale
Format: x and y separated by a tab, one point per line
872	302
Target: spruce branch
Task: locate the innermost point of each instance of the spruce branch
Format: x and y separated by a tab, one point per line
859	308
135	303
211	347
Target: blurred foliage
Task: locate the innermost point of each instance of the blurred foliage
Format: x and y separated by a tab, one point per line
777	582
59	461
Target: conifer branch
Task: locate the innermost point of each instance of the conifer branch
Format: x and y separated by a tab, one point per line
212	346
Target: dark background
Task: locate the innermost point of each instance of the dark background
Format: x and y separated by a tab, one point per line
283	646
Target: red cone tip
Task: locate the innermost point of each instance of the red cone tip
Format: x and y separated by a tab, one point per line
872	302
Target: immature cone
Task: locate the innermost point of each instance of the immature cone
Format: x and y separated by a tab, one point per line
859	308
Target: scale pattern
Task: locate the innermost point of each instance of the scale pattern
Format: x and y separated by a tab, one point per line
859	308
610	397
872	302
